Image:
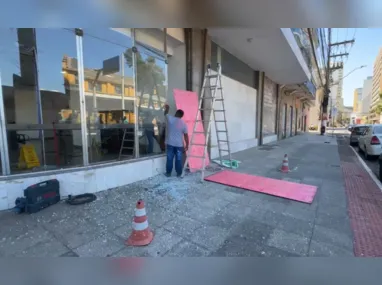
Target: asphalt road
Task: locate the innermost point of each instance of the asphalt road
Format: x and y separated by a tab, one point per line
372	164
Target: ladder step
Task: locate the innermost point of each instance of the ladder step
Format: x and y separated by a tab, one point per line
222	141
221	131
226	150
221	121
197	144
213	87
216	99
212	76
196	156
210	109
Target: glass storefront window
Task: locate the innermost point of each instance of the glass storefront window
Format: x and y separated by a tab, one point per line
124	99
40	98
109	93
151	98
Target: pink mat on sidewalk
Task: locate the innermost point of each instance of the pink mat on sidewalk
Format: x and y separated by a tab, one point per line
189	103
285	189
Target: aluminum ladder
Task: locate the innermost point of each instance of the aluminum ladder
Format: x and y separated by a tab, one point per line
213	83
123	148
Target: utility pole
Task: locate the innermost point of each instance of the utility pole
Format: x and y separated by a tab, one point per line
324	112
329	69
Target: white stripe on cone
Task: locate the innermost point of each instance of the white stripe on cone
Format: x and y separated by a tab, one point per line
140	212
140	226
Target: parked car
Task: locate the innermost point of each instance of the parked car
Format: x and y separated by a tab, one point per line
370	141
350	127
356	131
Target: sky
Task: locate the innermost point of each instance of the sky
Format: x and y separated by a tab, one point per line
364	51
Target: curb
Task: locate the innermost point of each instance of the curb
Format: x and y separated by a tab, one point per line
368	170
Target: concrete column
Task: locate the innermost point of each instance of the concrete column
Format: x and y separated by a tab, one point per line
260	107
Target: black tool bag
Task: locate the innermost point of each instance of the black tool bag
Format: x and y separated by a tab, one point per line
42	195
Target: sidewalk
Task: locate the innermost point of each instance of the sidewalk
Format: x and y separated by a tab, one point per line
191	218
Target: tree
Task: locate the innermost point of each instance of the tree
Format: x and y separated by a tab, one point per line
149	74
378	108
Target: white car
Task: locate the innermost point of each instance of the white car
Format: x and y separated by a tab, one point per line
370	141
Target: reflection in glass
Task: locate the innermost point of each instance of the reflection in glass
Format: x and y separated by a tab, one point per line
37	101
151	98
109	93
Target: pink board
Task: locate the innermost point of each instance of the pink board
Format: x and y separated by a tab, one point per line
280	188
189	103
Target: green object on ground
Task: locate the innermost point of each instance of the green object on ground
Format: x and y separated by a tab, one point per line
226	163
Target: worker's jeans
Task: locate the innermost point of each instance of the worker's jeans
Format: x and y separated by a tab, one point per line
150	138
177	153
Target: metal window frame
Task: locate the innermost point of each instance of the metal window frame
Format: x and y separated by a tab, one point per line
135	80
5	164
81	87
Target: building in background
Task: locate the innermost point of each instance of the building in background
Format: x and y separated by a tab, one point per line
346	115
336	100
357	100
376	89
366	99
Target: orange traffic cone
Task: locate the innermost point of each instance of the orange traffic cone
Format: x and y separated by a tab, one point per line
141	235
285	165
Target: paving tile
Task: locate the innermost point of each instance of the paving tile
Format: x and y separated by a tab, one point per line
341	224
58	211
10	245
81	235
210	237
296	226
232	215
272	218
196	212
69	254
253	231
269	251
333	237
102	246
47	248
301	211
289	242
183	226
230	196
113	221
157	217
187	249
237	246
321	249
312	181
332	210
162	243
125	230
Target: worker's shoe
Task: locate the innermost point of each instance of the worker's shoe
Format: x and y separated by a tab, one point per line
168	174
179	175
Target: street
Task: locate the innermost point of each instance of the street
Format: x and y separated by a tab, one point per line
343	132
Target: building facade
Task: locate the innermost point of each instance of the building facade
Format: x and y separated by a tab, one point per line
336	100
366	98
70	96
357	100
377	88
